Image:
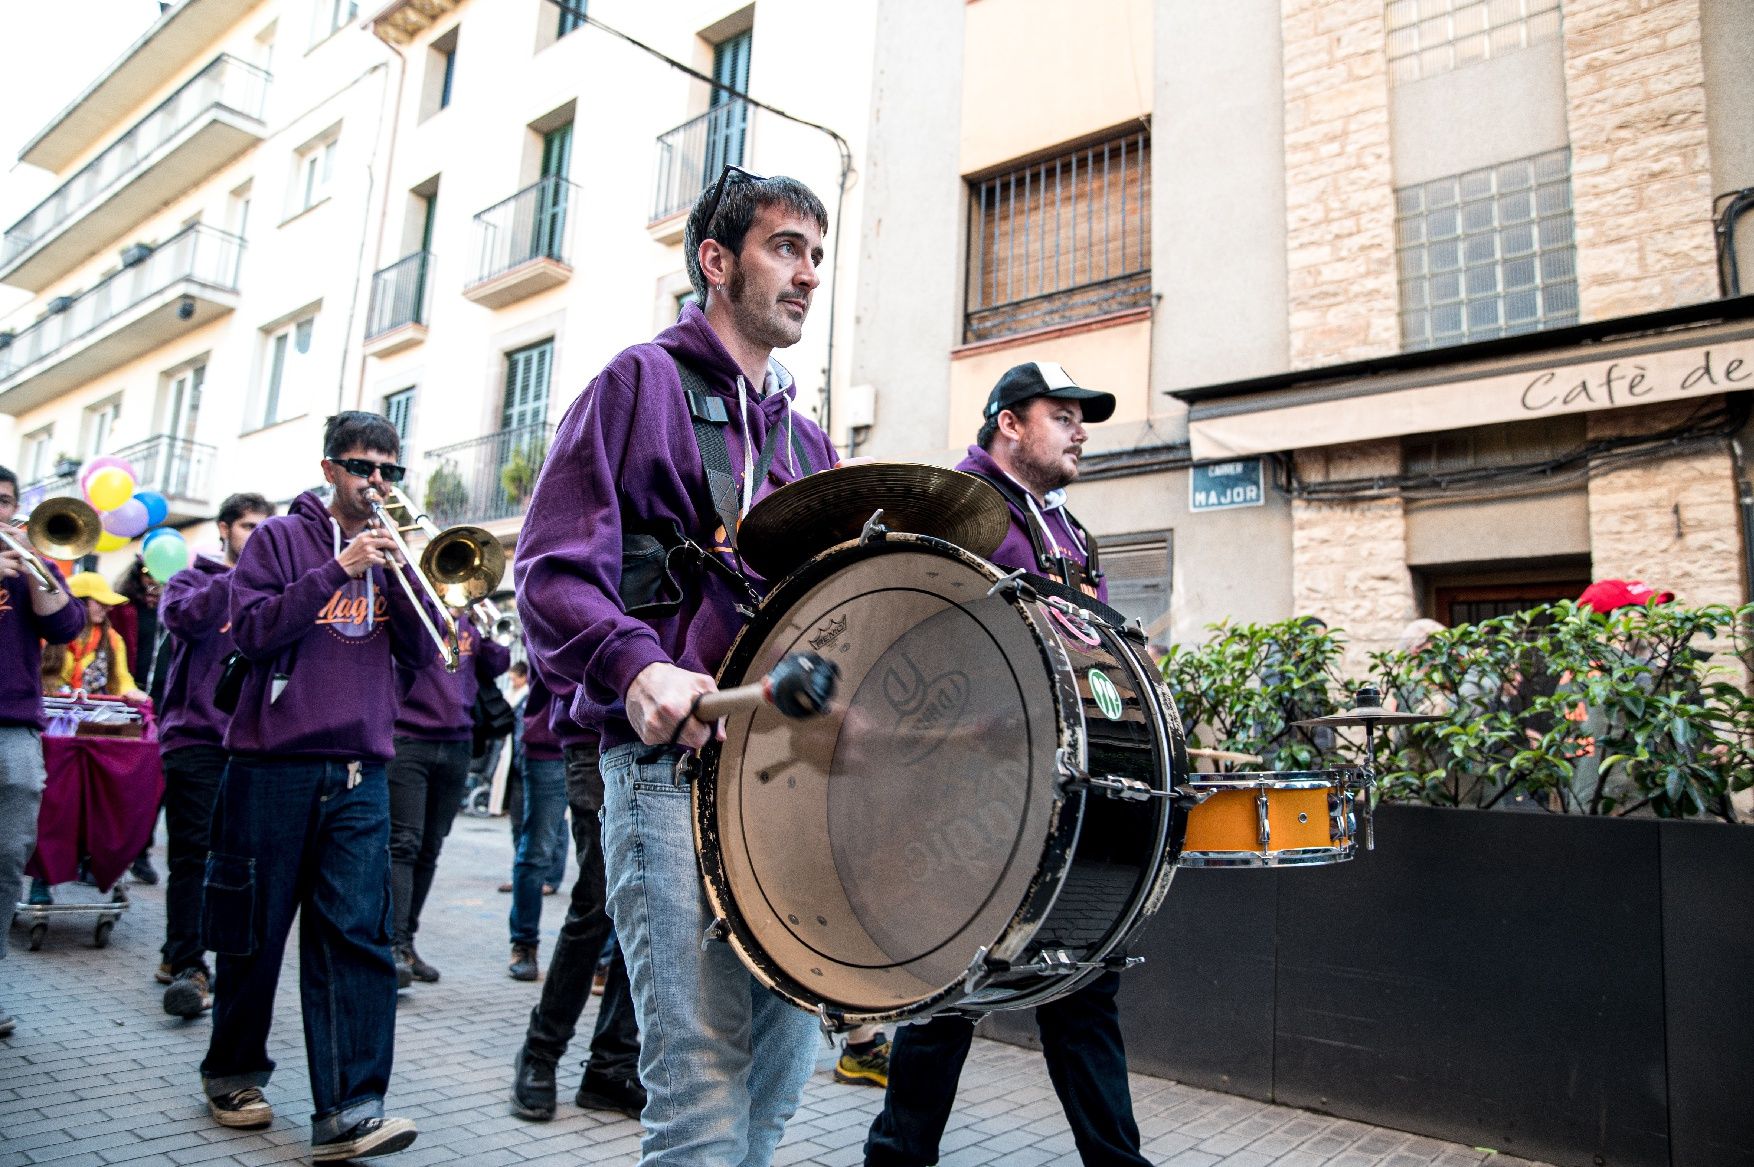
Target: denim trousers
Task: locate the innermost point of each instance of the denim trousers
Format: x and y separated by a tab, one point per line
21	796
615	1041
296	837
514	808
723	1060
544	807
1087	1064
426	789
191	786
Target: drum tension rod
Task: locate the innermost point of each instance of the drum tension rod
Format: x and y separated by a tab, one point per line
1014	584
831	1021
716	932
1115	786
874	528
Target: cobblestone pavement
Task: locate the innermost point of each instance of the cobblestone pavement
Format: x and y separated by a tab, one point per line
98	1074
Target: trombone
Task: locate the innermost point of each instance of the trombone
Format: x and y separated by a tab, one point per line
459	566
61	528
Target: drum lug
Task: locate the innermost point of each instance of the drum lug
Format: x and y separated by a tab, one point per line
1121	962
716	932
980	971
831	1022
1266	827
1014	584
873	529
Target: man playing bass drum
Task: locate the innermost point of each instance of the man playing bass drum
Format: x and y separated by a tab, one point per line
1028	448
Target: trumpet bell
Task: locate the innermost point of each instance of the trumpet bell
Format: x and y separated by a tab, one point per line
464	565
64	528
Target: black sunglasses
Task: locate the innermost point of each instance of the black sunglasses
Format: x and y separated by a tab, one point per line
365	467
712	206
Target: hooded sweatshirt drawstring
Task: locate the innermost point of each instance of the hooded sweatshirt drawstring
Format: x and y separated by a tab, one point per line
371	599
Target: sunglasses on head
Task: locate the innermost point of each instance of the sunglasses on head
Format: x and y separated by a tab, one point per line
712	206
365	467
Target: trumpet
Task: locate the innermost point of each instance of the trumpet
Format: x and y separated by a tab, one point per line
459	566
61	528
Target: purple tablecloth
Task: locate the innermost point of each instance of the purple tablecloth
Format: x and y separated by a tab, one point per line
101	800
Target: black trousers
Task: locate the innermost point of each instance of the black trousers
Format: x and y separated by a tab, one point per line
615	1042
191	786
1081	1041
426	789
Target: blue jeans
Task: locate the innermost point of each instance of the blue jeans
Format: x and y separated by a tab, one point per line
723	1060
544	808
292	836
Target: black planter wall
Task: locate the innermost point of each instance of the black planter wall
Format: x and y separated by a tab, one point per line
1561	988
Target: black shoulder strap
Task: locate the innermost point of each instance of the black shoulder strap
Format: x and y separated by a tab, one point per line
709	419
1051	565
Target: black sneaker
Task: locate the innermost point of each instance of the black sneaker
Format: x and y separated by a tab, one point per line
188	996
244	1108
374	1136
422	971
532	1086
404	967
600	1093
142	871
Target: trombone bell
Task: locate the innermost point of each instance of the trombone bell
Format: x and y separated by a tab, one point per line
464	564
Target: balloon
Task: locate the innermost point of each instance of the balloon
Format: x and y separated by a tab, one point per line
156	508
128	520
109	488
109	541
158	533
167	556
104	463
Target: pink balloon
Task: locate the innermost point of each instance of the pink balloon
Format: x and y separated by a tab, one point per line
128	520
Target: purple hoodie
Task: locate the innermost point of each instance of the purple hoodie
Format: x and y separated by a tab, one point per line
540	739
295	611
439	705
22	632
626	450
196	611
1017	552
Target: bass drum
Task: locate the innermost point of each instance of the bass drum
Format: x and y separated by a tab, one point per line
981	820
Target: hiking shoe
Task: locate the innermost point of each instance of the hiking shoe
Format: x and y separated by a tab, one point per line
599	980
163	974
532	1086
622	1094
422	971
374	1136
142	871
505	889
404	966
241	1108
866	1065
524	966
188	996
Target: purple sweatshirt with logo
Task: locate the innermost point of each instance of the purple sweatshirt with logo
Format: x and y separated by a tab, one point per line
196	610
295	612
626	453
439	705
22	632
1016	551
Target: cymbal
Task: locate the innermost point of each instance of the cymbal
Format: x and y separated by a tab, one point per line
1371	715
815	513
1224	755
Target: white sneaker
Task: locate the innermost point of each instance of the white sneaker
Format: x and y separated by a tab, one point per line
241	1108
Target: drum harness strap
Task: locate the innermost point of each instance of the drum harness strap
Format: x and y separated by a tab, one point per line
1085	576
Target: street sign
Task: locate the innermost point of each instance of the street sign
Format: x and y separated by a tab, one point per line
1222	486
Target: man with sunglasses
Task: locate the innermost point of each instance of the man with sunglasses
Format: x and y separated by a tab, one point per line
723	1060
302	822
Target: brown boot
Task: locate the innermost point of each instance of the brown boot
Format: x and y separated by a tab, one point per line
524	966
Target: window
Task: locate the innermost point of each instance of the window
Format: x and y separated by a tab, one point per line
289	350
441	73
100	426
450	75
1062	240
315	168
1487	253
38	460
399	409
334	15
526	386
1433	36
572	16
728	115
1138	582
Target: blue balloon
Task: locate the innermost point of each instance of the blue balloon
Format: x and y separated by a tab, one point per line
158	533
157	509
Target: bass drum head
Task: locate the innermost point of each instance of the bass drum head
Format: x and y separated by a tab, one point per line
869	855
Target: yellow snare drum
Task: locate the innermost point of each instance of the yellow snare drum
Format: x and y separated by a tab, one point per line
1272	819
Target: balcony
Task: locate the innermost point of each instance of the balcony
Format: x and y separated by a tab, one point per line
203	126
397	318
690	157
486	480
177	468
189	281
521	245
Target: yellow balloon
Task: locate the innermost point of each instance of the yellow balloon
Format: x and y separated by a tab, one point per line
109	488
109	542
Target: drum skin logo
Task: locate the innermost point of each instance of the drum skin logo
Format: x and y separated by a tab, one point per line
827	634
929	710
1104	693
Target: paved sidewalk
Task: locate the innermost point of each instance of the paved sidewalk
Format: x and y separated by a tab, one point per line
98	1074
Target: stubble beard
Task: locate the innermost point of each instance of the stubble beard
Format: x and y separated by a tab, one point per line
770	329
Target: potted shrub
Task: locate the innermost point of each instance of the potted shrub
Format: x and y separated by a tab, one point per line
446	496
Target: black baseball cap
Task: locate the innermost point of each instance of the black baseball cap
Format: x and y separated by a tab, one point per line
1046	379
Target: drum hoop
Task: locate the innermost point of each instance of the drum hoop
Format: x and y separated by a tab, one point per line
1297	857
1275	780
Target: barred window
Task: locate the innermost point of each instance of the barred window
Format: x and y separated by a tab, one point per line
1061	240
1487	253
1138	571
1434	36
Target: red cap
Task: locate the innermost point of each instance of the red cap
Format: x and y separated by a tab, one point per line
1607	594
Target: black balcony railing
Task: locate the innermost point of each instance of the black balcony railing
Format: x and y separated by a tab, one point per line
487	478
530	225
399	294
200	254
226	83
692	155
175	467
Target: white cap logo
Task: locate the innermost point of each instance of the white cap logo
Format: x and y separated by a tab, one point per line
1055	375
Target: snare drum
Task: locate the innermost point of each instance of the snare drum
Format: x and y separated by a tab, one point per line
981	821
1287	818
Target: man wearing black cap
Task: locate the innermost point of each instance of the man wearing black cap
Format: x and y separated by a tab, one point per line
1029	448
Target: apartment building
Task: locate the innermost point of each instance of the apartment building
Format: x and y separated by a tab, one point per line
1373	280
195	274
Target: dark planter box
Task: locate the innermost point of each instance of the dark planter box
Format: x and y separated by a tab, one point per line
1561	988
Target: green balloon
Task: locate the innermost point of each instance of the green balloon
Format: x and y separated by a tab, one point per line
166	555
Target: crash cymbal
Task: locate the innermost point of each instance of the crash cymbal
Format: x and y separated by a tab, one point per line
813	514
1371	715
1224	755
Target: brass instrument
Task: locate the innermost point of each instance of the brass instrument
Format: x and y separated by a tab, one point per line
59	528
458	567
507	630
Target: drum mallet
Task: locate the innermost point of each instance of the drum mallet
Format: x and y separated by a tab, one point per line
801	685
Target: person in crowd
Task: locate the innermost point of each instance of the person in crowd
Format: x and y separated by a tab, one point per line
434	735
138	622
195	612
611	1079
1029	446
543	794
723	1060
29	616
303	819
